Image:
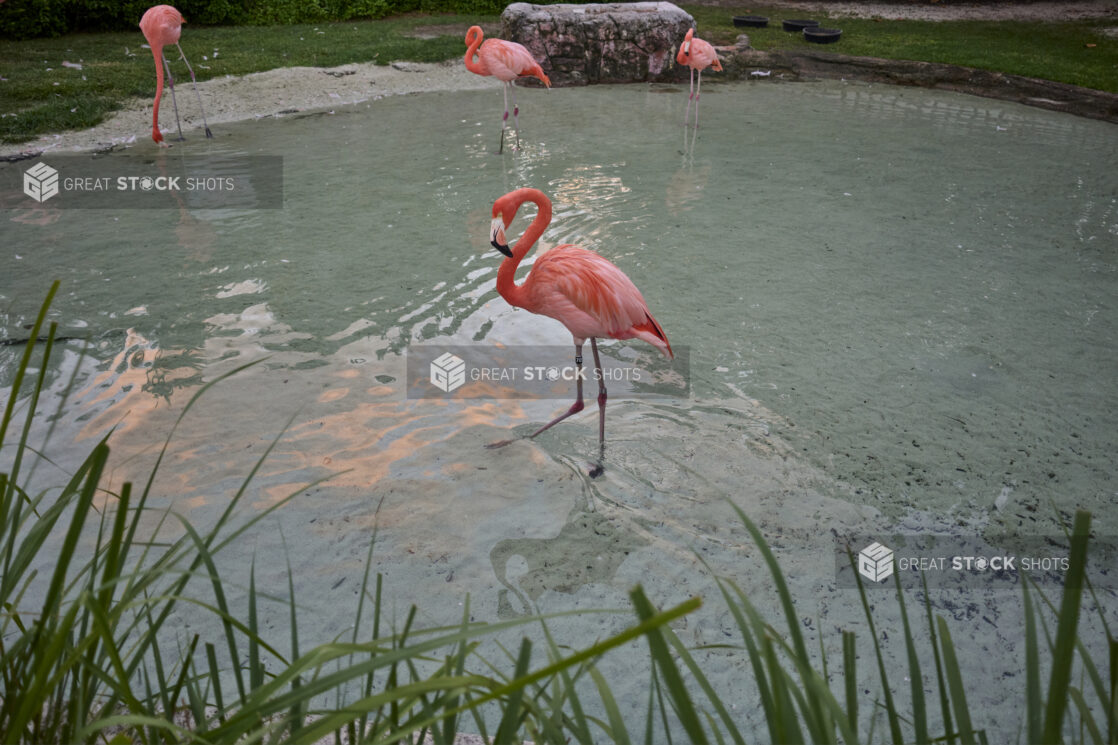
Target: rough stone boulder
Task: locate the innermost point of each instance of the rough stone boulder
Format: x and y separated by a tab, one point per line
600	43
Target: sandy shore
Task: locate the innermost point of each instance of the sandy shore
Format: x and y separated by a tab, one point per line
276	93
294	90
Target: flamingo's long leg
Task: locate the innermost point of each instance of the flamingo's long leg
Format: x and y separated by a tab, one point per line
515	114
171	85
698	92
600	467
690	98
194	83
576	407
505	118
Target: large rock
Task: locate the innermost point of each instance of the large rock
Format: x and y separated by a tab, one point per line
600	43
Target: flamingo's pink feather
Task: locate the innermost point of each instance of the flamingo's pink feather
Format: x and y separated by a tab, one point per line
591	297
507	60
697	54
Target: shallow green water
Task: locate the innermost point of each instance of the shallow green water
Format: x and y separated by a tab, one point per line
895	301
921	285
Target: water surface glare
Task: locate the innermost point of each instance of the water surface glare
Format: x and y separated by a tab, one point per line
897	302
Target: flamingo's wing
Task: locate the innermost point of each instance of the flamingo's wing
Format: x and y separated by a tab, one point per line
508	60
592	297
704	54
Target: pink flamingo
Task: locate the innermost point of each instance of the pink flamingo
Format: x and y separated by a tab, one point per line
578	288
698	55
506	61
162	26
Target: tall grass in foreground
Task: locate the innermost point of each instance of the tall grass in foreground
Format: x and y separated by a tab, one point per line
90	663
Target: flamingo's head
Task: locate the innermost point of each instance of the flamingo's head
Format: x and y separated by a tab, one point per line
497	237
504	210
474	35
684	55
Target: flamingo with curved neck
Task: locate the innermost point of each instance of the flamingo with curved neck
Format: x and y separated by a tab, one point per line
162	26
506	61
579	288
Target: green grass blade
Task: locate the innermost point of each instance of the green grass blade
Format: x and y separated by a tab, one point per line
255	669
1066	629
215	679
1086	716
510	722
708	690
577	725
850	675
890	707
784	710
24	363
180	682
1112	703
941	682
818	716
617	732
955	684
751	630
915	675
117	549
662	658
1034	705
297	713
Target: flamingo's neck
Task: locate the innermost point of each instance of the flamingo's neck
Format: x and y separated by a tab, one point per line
157	52
473	41
506	276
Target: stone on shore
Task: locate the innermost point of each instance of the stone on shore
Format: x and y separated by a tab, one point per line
600	42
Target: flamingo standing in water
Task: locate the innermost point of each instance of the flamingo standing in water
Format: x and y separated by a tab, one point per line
578	288
162	26
506	61
698	55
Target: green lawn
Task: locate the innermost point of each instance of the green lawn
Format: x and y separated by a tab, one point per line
1073	52
49	97
39	95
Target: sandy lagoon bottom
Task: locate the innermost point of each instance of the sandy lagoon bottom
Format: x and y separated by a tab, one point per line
898	308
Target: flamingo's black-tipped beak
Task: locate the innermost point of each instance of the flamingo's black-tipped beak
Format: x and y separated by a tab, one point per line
497	236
